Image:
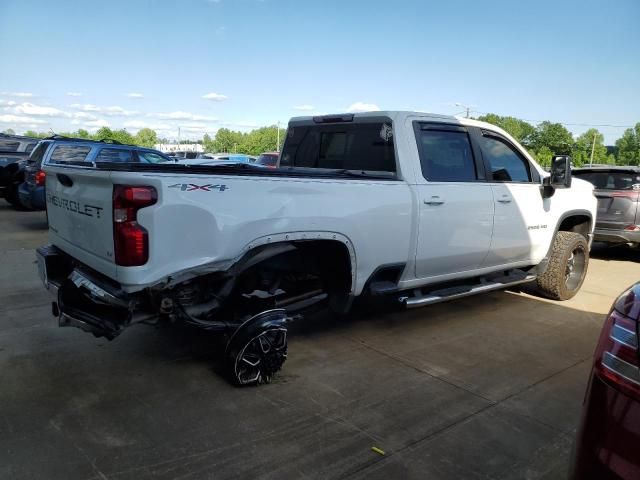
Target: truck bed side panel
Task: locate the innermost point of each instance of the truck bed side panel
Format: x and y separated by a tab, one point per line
206	220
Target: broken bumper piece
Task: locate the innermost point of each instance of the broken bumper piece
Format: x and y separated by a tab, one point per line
83	299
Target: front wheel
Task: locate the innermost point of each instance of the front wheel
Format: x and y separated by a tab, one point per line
567	267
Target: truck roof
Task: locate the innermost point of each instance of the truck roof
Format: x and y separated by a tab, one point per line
400	115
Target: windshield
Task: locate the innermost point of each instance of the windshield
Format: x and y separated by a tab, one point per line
611	180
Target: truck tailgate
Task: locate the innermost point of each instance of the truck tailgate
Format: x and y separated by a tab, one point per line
79	207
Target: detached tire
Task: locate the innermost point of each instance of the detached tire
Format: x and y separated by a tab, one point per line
567	267
257	349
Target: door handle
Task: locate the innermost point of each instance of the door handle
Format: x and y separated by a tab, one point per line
435	200
505	199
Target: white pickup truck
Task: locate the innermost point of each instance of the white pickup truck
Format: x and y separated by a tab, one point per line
414	207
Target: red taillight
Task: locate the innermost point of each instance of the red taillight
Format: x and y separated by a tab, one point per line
130	240
633	228
617	360
41	177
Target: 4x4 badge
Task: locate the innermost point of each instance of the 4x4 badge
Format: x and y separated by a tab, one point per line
189	187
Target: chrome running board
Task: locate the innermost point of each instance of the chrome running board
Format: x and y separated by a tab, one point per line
422	298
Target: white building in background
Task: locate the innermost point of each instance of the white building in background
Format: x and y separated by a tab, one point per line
179	147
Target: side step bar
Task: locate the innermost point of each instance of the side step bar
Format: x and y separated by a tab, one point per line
420	299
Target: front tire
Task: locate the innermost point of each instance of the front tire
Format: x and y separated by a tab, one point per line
567	267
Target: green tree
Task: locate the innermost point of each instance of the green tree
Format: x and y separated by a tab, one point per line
34	134
554	136
543	156
121	136
82	133
519	129
581	150
103	133
208	143
229	141
146	138
263	139
628	146
9	131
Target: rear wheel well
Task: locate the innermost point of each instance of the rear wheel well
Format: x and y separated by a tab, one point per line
331	259
576	223
297	267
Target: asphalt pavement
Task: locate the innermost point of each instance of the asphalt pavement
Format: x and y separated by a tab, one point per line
487	387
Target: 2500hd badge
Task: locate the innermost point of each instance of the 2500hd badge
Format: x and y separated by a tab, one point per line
73	206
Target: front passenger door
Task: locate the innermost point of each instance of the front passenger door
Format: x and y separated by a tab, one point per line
521	223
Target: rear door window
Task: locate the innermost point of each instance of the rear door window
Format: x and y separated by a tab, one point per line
446	155
69	154
114	155
351	146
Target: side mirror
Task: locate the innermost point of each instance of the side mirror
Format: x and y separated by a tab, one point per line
560	176
561	171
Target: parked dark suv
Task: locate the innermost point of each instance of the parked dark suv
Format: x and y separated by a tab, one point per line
14	150
76	150
618	193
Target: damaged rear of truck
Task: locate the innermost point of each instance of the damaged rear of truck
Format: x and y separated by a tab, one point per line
228	248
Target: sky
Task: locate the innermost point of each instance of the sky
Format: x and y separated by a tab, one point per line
201	65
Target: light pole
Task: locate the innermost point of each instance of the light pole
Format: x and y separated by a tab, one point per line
466	107
593	147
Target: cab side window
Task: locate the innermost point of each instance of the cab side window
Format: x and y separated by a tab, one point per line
446	156
116	155
506	164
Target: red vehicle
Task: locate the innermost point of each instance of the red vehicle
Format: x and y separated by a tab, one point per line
268	159
608	442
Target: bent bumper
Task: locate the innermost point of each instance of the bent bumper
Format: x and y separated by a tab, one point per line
82	299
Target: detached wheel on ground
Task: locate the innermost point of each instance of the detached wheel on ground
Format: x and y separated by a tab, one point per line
257	349
567	267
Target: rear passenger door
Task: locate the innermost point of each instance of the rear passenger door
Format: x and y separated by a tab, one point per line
521	226
455	202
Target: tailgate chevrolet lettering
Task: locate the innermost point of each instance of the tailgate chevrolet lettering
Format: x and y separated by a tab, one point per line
74	206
